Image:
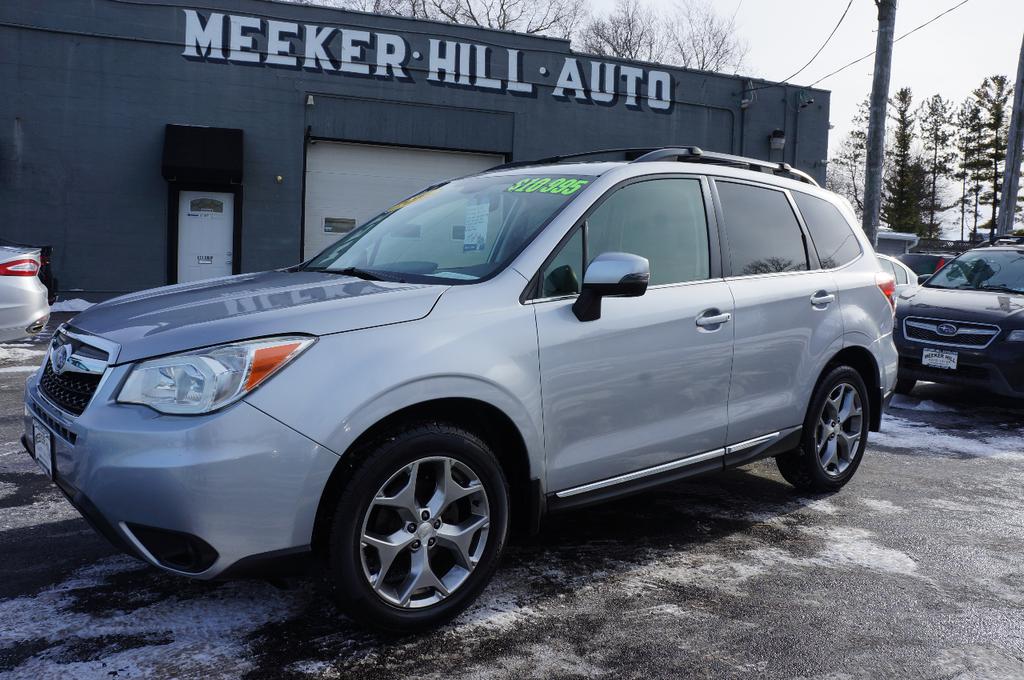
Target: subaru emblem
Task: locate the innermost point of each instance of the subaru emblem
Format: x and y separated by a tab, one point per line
946	329
60	358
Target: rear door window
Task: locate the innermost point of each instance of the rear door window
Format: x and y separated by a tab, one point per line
831	233
763	234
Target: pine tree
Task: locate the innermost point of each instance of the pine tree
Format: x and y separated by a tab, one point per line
904	185
993	97
971	162
936	135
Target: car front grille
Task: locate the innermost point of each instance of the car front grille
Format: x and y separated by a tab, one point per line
72	389
964	334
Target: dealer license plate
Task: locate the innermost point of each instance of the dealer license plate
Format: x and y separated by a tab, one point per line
939	358
43	447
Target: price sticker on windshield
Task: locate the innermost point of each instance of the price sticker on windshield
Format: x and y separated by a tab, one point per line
562	186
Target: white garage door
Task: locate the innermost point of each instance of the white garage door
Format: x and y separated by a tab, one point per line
347	184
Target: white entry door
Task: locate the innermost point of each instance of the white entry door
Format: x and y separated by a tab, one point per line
206	225
347	184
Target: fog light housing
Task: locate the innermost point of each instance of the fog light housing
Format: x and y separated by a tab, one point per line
175	549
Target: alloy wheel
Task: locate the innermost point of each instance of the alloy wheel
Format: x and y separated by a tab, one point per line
839	429
424	532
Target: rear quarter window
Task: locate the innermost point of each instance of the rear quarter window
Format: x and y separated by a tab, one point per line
832	235
763	234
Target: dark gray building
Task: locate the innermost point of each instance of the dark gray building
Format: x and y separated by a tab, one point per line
152	142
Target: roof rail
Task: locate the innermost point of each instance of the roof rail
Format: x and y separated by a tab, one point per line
626	151
694	154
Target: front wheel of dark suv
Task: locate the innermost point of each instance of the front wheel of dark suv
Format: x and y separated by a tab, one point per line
835	432
418	529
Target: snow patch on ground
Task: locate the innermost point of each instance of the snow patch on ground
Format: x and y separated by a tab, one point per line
10	354
822	505
18	369
882	506
854	548
73	305
7	489
900	433
910	404
53	509
195	636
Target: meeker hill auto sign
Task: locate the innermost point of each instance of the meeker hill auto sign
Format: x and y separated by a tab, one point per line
240	39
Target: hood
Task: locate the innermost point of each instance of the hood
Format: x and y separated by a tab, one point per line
186	316
962	305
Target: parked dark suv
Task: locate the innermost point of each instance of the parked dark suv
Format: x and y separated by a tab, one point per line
965	325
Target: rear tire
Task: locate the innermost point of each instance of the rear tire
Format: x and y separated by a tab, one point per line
398	580
904	385
835	433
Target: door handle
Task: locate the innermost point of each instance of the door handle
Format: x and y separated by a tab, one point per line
713	318
822	298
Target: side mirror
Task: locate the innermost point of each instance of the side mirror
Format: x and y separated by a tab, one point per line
922	278
611	275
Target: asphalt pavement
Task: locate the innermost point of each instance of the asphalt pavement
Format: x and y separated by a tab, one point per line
914	569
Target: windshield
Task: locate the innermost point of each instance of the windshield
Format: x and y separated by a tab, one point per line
459	232
997	270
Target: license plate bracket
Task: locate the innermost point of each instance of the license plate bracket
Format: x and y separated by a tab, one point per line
42	445
940	358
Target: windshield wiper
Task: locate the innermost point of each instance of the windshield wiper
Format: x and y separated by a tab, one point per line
364	274
1002	289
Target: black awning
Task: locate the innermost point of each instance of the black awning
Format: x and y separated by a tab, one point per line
202	154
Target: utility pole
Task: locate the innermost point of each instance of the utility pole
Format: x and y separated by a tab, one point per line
1011	176
876	117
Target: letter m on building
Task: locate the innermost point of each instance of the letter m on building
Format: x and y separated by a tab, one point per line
203	40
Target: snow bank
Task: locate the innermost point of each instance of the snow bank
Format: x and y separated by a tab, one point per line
900	433
11	355
74	305
910	404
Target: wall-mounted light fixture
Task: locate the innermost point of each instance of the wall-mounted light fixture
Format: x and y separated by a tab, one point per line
777	140
309	101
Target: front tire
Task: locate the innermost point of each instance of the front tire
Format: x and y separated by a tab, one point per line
419	528
835	433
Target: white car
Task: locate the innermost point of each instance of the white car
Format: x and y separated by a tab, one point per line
906	279
24	309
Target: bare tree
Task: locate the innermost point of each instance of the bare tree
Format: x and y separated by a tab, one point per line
692	35
553	17
409	8
846	168
700	38
631	31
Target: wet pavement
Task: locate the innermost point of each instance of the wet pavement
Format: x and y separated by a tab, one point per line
914	569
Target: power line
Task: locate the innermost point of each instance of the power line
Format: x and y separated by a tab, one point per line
905	35
785	81
827	40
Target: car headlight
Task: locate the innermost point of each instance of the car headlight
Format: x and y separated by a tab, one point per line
205	380
1015	336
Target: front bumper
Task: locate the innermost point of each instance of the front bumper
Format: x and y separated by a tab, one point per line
228	487
998	368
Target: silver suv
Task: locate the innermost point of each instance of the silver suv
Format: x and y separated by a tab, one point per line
502	346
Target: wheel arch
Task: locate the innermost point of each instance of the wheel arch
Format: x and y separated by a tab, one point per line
492	424
863	361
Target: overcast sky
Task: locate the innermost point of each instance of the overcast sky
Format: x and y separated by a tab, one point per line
949	57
